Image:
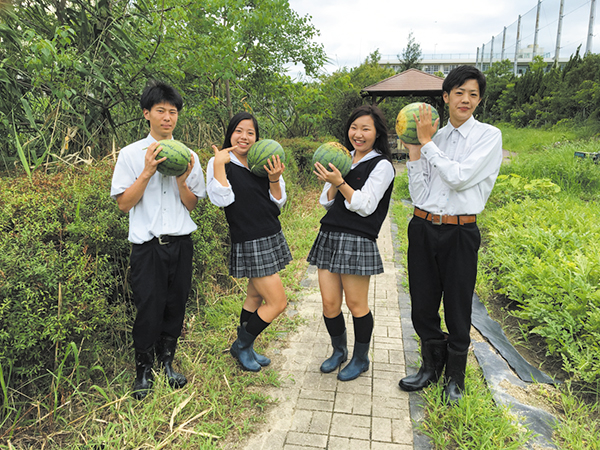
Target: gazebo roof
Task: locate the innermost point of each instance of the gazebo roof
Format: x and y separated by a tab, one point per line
410	82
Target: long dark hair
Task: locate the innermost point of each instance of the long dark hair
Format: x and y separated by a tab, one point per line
381	144
234	122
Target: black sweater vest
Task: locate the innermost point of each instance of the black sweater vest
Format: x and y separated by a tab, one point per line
252	215
340	218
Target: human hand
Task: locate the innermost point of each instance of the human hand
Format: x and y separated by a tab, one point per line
334	176
222	156
425	129
150	161
274	167
414	151
181	178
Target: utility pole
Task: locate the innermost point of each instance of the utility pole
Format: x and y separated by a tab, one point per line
503	44
537	28
558	32
588	45
517	45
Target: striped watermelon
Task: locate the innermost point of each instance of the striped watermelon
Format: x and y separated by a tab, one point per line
178	157
259	154
335	153
406	128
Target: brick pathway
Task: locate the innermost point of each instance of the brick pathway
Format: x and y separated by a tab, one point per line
316	411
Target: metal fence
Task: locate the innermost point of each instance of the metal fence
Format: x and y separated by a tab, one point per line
553	29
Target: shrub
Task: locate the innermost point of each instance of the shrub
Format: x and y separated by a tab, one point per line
64	256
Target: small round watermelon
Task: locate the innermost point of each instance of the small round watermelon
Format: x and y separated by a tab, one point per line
178	157
406	128
335	153
259	154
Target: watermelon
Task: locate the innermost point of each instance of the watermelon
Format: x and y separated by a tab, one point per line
178	157
406	128
335	153
260	153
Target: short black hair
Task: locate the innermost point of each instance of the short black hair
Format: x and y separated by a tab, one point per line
233	123
458	76
382	144
157	92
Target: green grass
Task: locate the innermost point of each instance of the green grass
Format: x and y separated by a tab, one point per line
92	407
525	139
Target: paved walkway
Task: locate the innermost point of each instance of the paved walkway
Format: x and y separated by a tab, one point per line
316	411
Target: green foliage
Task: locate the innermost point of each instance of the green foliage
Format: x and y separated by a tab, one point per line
411	54
542	247
71	89
61	245
557	163
542	97
476	422
545	254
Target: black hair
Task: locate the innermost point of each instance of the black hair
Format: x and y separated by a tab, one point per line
234	122
458	76
157	92
381	145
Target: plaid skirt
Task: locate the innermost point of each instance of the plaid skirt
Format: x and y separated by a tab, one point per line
259	258
345	253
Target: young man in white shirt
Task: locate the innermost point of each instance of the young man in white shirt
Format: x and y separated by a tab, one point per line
451	176
160	230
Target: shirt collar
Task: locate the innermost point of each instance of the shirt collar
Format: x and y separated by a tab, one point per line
465	128
372	154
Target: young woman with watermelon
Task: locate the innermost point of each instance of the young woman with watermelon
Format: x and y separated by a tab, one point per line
159	229
451	175
345	250
258	250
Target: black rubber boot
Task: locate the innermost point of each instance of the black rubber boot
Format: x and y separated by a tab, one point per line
241	349
165	352
454	377
340	353
433	353
260	359
358	364
144	377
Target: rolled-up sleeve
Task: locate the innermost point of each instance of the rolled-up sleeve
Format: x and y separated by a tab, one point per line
218	194
365	200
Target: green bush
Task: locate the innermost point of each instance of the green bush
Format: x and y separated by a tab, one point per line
64	256
62	243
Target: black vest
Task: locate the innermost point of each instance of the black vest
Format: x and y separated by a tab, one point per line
253	214
340	218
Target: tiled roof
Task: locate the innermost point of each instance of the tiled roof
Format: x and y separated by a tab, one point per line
411	81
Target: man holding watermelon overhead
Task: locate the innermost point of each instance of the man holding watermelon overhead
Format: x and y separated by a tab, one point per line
160	230
451	176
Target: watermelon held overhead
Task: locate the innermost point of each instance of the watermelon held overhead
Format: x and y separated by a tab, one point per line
260	153
335	153
178	157
406	128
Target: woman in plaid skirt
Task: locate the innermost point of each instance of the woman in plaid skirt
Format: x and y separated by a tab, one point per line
345	251
258	248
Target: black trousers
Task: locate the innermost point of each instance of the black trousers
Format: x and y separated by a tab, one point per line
161	278
442	264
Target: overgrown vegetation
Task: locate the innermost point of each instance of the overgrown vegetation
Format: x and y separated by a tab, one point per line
67	315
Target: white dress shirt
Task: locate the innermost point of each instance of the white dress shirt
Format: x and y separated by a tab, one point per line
223	196
457	169
160	210
365	200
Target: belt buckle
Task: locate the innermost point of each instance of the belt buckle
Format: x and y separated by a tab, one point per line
161	242
436	219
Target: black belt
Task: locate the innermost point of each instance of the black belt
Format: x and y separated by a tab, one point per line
165	239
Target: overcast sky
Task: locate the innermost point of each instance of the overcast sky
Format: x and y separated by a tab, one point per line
352	29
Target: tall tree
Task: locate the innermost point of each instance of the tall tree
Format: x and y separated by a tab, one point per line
411	54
